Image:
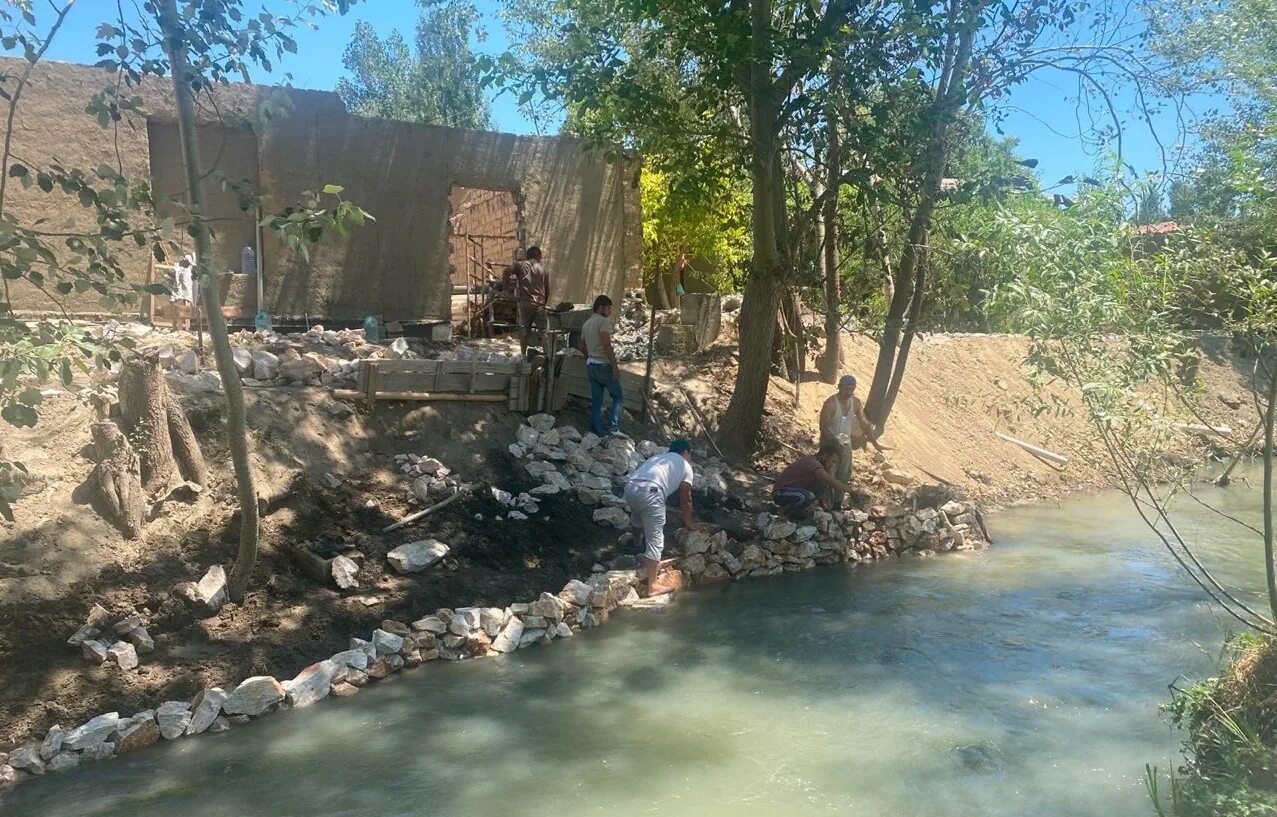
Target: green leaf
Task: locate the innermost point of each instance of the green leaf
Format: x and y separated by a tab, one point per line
333	189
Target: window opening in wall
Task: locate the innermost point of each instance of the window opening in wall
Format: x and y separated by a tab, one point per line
486	235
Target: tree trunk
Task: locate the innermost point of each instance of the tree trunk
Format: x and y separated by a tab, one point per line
744	417
186	449
911	328
831	361
236	427
117	478
909	282
144	415
1270	569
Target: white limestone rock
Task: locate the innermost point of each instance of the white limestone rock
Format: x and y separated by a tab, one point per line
243	361
206	707
415	557
344	571
124	655
431	624
616	517
188	362
254	696
541	422
174	718
313	683
577	591
508	639
465	620
95	651
27	758
385	643
90	733
52	743
265	365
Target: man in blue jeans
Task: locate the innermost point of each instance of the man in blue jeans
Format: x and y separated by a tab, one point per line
600	367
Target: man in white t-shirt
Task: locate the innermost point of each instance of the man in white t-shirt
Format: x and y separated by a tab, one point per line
652	484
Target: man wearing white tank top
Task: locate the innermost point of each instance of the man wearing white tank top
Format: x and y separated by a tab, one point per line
842	417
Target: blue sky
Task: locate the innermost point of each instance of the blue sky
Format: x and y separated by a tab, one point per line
1042	112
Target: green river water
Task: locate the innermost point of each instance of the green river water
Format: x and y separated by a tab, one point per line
1024	680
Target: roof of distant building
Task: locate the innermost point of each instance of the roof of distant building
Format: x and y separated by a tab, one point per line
1160	228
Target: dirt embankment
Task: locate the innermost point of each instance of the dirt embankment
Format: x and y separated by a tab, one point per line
60	558
958	392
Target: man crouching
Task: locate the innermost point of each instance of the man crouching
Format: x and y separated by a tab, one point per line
795	490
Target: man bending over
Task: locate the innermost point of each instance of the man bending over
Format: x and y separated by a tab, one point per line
652	484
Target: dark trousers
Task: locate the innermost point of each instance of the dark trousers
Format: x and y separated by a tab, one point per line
793	501
602	379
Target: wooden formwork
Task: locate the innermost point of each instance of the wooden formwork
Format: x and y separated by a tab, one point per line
453	380
572	381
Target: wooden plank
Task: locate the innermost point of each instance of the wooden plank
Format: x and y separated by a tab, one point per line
444	383
455	397
373	377
429	367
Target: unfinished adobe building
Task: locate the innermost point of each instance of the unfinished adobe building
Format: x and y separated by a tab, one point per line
449	204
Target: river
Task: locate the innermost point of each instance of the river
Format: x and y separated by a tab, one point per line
1022	680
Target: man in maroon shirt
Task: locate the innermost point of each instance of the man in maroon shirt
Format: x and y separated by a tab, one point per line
795	489
530	283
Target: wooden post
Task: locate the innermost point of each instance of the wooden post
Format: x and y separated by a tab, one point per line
647	374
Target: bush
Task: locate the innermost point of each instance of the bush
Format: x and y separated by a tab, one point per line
1230	752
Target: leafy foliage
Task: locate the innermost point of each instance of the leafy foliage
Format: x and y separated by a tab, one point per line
436	81
1231	762
714	227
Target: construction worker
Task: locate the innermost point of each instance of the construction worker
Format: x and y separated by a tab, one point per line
652	484
842	417
794	491
601	367
530	283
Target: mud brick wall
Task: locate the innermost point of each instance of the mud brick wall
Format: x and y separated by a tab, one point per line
582	210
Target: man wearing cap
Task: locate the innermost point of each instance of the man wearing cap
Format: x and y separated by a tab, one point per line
652	484
841	418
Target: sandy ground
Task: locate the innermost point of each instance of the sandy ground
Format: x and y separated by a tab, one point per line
958	392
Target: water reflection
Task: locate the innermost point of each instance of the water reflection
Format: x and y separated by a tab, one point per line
1022	680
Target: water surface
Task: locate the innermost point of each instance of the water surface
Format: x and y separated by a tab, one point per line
1022	680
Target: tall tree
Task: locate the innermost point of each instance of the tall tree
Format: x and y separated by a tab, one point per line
706	88
435	82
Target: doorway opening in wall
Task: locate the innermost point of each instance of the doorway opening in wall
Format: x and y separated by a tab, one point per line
486	234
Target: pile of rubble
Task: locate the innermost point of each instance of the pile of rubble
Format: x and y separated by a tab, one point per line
594	469
494	353
119	642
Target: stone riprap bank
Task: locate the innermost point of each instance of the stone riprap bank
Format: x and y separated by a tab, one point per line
561	459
